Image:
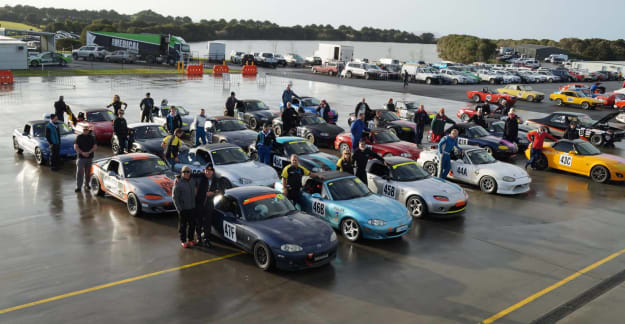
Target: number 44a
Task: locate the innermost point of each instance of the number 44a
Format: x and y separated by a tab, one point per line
462	171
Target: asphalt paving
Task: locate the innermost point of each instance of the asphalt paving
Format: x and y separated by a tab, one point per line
75	258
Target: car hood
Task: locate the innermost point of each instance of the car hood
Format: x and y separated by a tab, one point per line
404	123
495	140
437	186
612	159
266	114
331	129
606	118
240	137
502	169
252	170
152	145
158	185
320	160
103	126
374	206
401	146
298	228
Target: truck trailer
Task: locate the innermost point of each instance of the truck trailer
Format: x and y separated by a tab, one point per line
333	53
216	52
153	48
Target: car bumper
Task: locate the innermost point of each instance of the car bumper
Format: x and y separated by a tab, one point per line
269	182
451	208
157	206
307	259
519	186
390	230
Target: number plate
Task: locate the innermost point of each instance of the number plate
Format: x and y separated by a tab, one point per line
320	257
277	161
401	228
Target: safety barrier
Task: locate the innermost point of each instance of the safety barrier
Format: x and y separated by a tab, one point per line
197	70
180	66
249	70
221	69
6	77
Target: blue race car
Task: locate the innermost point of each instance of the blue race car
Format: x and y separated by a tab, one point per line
496	127
309	155
262	222
346	203
310	105
32	139
472	134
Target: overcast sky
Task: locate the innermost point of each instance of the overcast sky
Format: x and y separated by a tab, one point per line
553	19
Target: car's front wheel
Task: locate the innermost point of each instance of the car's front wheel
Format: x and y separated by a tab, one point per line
530	98
252	123
277	129
476	98
465	117
488	149
133	204
559	102
596	139
115	146
349	74
431	168
16	146
416	206
94	184
344	147
310	137
488	184
262	256
39	156
599	174
585	105
350	229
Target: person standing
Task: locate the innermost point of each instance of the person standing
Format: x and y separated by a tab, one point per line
146	105
478	118
364	107
198	126
171	147
511	127
231	103
117	105
445	147
292	180
59	109
345	163
184	196
207	189
288	95
324	110
173	120
571	132
390	106
357	128
264	143
290	120
84	145
120	128
406	79
537	139
361	156
421	118
438	125
54	141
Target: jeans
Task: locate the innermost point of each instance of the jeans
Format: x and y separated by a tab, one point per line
445	166
264	154
355	141
83	169
171	161
186	225
200	133
146	116
419	134
123	141
203	220
534	154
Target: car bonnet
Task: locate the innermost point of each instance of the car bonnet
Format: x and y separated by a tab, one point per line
252	170
158	184
297	228
320	160
372	207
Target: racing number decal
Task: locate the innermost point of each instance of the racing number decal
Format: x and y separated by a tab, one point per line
566	160
389	190
462	171
318	208
463	141
230	231
300	131
569	99
277	161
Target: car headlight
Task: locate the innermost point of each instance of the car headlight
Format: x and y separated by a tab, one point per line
291	248
333	236
245	180
324	134
376	222
508	179
441	198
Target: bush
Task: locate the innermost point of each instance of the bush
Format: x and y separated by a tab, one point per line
465	48
67	43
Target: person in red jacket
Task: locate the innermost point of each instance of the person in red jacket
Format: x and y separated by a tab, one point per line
537	138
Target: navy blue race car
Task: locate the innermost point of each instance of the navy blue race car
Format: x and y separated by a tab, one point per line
32	139
313	128
262	222
144	137
495	128
472	134
404	129
310	105
309	155
228	130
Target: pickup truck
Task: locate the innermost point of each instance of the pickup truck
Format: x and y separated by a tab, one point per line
331	68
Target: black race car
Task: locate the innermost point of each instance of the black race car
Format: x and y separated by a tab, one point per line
495	128
404	129
597	132
472	134
144	137
313	128
254	113
229	130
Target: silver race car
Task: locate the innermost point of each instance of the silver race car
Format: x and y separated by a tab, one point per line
477	167
408	183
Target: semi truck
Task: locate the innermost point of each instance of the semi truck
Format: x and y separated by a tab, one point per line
152	48
333	53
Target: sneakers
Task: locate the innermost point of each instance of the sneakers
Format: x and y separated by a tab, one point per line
87	188
184	245
191	243
77	190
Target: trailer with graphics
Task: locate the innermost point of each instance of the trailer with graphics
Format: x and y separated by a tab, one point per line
152	48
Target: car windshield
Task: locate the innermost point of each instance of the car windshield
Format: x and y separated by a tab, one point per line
387	115
185	48
348	188
498	126
266	206
256	105
300	147
312	120
145	167
229	125
229	156
478	131
586	148
409	171
100	116
480	157
307	102
182	111
385	137
411	105
584	120
149	132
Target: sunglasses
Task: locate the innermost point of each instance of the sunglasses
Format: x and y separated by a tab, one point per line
186	171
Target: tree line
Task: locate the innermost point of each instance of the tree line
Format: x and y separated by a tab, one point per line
148	21
468	49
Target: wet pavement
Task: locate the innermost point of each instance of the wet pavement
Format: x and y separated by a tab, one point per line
500	252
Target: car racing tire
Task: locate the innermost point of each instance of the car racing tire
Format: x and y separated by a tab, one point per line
476	98
39	156
134	205
488	149
350	229
254	156
492	81
310	137
342	147
252	123
114	146
431	168
96	188
465	117
559	102
530	98
367	76
416	206
541	163
502	101
277	129
313	70
596	139
262	256
599	174
16	146
585	105
488	184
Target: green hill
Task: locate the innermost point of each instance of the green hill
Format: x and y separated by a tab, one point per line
10	24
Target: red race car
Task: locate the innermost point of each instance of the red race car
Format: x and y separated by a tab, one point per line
100	119
487	95
381	141
465	113
610	99
619	104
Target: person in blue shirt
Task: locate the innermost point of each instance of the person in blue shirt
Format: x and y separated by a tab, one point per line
287	95
445	147
358	126
54	140
174	121
264	142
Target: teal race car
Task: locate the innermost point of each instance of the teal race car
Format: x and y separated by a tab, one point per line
309	155
347	204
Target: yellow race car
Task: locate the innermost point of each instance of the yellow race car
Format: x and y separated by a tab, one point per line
522	92
580	157
574	98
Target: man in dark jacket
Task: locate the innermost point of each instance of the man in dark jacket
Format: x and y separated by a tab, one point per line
231	103
478	118
323	110
363	106
59	108
146	105
287	95
120	128
390	106
361	155
438	125
571	132
264	142
54	140
173	120
511	128
290	120
184	196
421	118
207	189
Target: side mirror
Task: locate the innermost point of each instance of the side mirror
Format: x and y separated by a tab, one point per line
572	153
317	196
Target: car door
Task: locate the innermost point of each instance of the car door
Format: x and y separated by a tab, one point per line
314	190
378	180
563	160
25	140
462	169
557	124
279	159
112	178
228	222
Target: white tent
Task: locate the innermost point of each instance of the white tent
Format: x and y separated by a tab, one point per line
13	54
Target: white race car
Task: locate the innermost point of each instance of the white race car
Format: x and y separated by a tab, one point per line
621	117
478	167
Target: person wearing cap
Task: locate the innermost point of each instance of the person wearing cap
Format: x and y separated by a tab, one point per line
85	144
198	126
120	128
53	136
571	132
117	105
146	105
207	189
537	138
511	127
171	147
478	118
183	195
264	143
357	128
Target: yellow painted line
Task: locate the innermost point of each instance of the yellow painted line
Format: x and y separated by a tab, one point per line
550	288
117	283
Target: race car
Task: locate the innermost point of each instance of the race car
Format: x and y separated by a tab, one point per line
575	98
404	129
621	117
477	167
496	127
49	58
32	139
309	155
346	203
582	158
144	137
487	95
381	141
228	130
100	119
262	222
408	183
597	132
496	113
160	116
472	134
233	168
619	104
610	99
310	105
142	180
254	113
522	92
313	128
